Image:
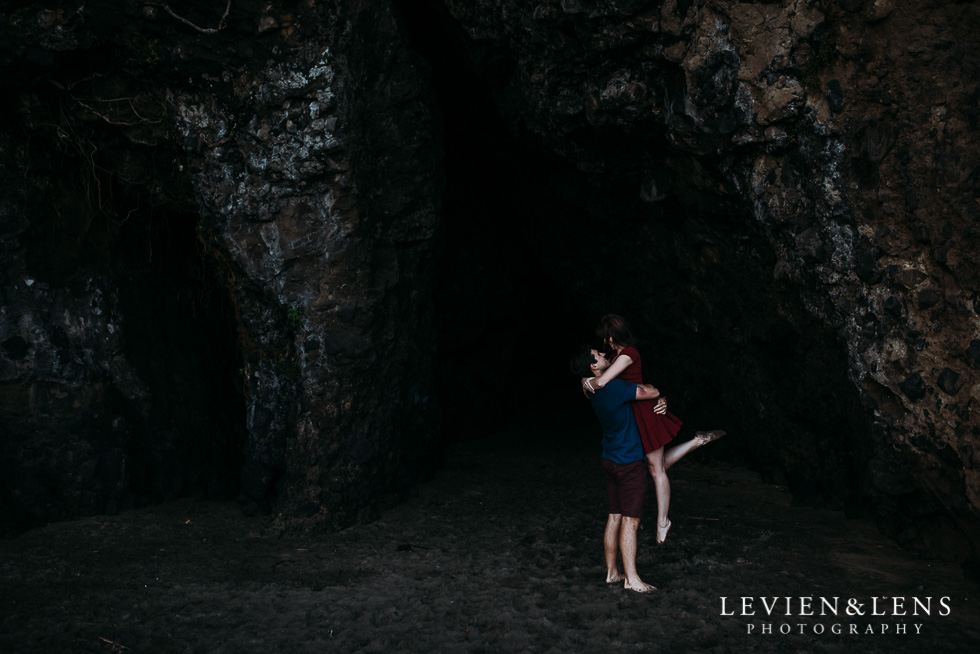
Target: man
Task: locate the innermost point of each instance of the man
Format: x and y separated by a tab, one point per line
624	463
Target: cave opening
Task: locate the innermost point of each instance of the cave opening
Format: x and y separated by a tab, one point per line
182	339
133	361
506	326
112	235
527	245
537	247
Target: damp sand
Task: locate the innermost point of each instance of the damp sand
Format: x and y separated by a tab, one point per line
500	552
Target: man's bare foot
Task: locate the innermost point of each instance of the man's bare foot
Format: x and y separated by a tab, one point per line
705	437
639	586
614	577
662	532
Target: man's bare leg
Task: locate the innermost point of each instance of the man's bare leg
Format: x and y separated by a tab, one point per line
610	542
627	547
678	452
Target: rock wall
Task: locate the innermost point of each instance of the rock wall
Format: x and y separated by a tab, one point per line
318	180
823	151
289	151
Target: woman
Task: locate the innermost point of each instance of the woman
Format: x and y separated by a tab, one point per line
656	429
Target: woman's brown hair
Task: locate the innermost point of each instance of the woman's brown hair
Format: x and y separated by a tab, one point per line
616	328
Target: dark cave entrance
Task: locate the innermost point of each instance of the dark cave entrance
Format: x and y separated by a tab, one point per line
110	216
520	230
165	417
535	249
500	313
506	324
181	337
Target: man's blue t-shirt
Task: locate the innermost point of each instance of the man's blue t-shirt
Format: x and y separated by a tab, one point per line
620	435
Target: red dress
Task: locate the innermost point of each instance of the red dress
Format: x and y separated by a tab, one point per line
656	430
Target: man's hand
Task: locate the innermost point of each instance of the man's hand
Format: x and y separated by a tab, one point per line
661	406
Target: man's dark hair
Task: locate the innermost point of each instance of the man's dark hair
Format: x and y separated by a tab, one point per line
581	363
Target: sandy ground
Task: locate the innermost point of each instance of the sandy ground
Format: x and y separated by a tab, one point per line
498	553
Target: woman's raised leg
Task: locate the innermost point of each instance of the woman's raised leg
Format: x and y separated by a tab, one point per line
678	452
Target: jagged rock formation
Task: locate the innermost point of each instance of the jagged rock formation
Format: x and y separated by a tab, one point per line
781	195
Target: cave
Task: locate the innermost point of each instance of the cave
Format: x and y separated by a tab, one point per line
291	254
541	223
163	413
535	250
176	309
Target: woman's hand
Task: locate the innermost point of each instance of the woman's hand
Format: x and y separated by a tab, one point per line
587	387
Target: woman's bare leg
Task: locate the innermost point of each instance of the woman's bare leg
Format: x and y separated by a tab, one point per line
678	452
655	461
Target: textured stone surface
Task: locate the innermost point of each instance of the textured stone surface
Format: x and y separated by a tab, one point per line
290	157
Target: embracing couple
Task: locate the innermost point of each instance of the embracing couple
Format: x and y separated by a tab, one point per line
635	427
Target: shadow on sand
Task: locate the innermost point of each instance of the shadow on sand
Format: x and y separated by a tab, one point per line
500	552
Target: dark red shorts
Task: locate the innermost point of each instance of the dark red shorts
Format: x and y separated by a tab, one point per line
626	486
